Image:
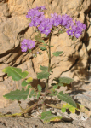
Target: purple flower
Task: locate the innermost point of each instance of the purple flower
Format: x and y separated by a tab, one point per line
84	26
70	32
24	48
31	24
34	13
46	24
25	44
35	22
77	34
56	22
46	31
42	7
56	19
54	15
80	25
37	52
41	27
74	27
31	44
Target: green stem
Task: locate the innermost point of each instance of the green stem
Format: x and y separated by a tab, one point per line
49	69
49	64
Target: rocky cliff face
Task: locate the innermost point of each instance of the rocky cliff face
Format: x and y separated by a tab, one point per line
14	27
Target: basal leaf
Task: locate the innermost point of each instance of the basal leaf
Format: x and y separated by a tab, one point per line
32	93
17	94
63	109
39	88
55	86
66	98
46	116
70	107
56	119
16	73
24	83
38	95
43	74
30	79
57	53
64	79
59	84
53	92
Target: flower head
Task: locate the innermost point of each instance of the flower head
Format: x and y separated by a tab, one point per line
70	32
24	48
31	44
27	44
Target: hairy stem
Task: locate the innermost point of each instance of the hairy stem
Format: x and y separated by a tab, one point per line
49	64
49	69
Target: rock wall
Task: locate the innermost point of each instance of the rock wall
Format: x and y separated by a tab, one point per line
14	27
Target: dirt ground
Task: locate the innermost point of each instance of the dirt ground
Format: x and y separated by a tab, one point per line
35	122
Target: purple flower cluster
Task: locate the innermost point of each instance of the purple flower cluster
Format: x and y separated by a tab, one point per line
27	44
76	29
45	25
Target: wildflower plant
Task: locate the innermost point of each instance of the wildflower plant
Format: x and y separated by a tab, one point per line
44	26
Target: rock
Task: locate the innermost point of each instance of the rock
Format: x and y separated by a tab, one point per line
2	66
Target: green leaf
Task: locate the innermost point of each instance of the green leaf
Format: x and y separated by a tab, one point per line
52	92
70	107
24	83
38	95
59	84
56	119
66	98
43	48
30	79
44	44
63	109
57	53
32	93
43	74
39	88
44	68
64	79
46	116
17	94
39	38
55	86
16	73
